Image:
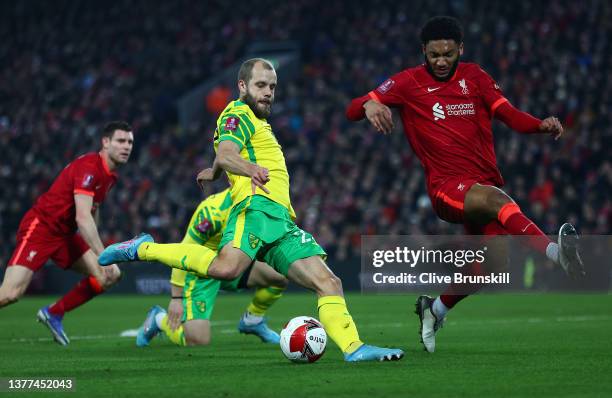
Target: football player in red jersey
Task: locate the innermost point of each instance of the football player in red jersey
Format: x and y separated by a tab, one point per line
446	108
49	229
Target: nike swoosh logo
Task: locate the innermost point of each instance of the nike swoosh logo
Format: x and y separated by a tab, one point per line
429	90
528	225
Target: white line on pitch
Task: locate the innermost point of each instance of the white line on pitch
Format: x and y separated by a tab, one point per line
363	325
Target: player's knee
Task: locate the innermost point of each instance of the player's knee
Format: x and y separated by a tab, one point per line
10	296
279	281
197	339
329	285
109	277
495	201
225	271
113	276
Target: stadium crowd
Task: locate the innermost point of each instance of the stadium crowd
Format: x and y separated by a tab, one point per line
68	67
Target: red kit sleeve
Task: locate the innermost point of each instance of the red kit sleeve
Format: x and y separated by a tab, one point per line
390	93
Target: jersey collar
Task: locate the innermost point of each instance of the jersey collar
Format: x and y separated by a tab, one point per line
249	110
432	80
107	169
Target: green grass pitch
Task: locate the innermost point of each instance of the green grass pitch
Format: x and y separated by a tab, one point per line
493	345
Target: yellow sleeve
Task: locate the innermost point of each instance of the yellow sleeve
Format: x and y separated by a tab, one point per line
236	128
178	277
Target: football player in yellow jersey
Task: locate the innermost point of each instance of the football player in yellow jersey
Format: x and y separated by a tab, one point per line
260	224
187	321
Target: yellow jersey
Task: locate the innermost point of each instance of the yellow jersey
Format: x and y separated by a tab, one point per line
257	144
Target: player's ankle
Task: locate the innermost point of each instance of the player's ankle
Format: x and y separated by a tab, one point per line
250	319
141	251
552	252
354	346
159	319
439	309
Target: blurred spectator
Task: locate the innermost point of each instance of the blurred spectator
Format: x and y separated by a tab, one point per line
217	99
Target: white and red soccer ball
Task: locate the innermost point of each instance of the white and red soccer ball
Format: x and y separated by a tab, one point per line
303	339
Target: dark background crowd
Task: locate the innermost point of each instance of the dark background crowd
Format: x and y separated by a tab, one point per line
68	67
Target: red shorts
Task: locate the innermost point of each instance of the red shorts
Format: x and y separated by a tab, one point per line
36	244
447	200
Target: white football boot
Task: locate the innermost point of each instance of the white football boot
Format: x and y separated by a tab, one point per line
429	322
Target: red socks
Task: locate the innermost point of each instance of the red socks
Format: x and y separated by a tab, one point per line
455	293
516	223
84	291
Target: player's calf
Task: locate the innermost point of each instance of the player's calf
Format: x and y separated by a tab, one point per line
16	281
196	339
9	296
312	273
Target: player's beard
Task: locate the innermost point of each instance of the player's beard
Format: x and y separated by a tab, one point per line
260	111
118	157
450	74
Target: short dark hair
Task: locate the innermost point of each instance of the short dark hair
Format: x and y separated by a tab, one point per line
110	128
442	28
246	69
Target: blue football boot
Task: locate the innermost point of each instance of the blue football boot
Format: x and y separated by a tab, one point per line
373	353
54	323
149	328
123	251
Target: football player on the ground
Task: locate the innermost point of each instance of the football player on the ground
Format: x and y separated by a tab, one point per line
187	321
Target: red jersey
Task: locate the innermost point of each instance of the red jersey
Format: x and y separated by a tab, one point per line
448	124
88	175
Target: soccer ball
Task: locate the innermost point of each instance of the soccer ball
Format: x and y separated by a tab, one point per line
303	339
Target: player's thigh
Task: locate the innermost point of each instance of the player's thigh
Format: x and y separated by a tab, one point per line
314	274
448	199
199	297
17	278
294	245
238	245
35	244
483	202
262	275
197	332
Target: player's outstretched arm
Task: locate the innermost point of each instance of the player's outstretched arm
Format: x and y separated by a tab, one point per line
523	122
378	114
86	223
355	111
229	159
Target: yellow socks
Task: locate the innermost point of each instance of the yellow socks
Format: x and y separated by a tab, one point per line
263	299
185	256
338	323
176	336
